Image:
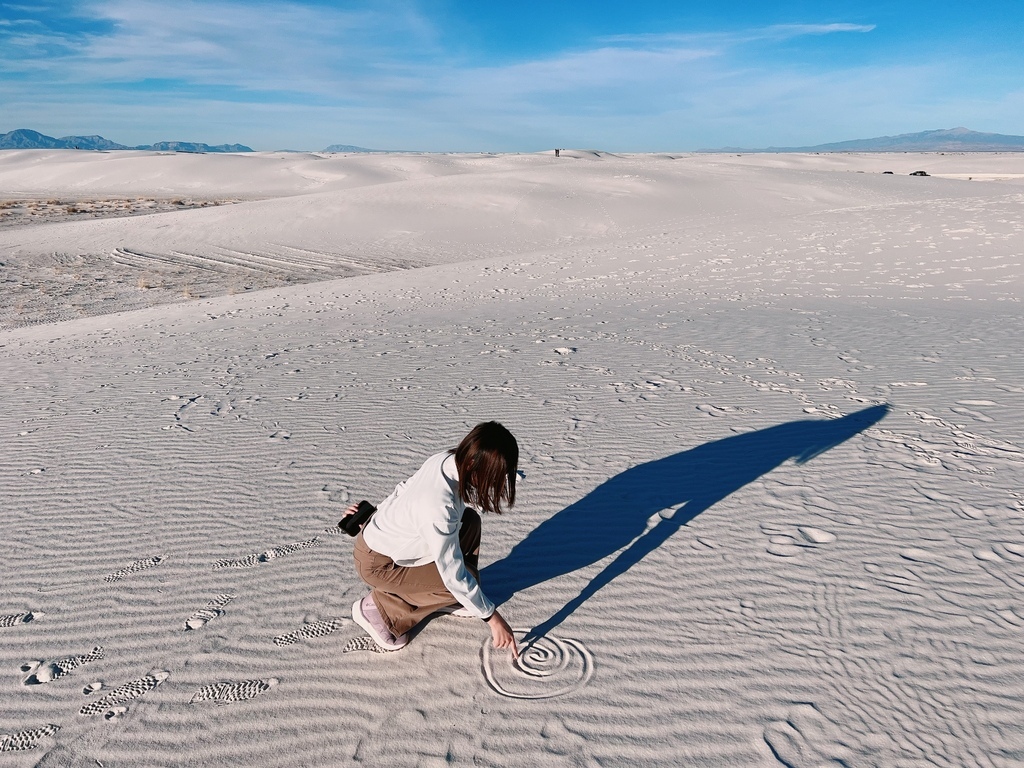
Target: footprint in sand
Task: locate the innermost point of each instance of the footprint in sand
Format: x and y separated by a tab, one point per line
309	631
715	410
47	671
816	535
138	565
792	540
807	739
262	557
231	691
109	703
337	494
25	740
15	619
363	644
970	413
249	561
213	609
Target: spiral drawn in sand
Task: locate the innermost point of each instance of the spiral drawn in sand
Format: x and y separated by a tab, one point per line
547	667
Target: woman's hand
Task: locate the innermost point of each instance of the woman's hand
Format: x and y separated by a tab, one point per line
501	634
351	510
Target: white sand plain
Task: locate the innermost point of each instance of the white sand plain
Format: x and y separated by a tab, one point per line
737	555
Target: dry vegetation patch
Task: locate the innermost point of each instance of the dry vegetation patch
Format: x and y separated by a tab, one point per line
46	288
26	212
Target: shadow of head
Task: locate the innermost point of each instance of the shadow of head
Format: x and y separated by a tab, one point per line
680	487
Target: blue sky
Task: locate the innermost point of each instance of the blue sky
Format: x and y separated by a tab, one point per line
501	76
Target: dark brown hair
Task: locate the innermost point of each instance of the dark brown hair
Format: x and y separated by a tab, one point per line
487	459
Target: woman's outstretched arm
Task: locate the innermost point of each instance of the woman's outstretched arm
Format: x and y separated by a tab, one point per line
501	634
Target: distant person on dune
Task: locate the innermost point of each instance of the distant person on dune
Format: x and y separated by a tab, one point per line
419	552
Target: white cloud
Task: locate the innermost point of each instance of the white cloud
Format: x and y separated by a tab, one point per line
796	30
252	46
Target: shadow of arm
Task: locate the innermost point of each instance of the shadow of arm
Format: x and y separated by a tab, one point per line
629	557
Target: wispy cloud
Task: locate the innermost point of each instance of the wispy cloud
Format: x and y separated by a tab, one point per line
255	46
734	37
377	73
795	30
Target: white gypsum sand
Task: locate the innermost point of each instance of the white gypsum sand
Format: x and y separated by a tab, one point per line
343	215
739	556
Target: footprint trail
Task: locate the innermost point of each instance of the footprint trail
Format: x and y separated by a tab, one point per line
255	559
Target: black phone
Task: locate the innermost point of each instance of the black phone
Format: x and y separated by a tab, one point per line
353	523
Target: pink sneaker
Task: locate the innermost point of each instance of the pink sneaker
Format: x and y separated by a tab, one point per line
366	615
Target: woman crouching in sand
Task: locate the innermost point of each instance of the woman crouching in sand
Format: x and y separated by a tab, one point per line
419	552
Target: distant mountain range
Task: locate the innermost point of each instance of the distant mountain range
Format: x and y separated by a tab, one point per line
946	140
26	139
349	148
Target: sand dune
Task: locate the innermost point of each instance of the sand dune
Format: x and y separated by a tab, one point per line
382	213
771	431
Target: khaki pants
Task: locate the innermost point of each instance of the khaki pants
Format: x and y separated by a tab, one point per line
407	595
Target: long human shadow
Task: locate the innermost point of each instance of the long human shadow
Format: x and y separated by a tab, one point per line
615	515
